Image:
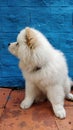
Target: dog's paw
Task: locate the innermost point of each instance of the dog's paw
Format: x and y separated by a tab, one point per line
25	104
69	96
60	112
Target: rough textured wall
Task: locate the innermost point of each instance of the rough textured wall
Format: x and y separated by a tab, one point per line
52	17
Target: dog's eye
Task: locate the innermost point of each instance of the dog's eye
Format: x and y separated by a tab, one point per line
17	44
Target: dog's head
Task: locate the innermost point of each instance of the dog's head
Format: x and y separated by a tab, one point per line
30	47
26	42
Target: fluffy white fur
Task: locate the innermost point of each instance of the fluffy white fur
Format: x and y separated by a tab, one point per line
51	79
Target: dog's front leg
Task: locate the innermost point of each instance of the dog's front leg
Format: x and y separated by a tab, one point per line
56	96
30	93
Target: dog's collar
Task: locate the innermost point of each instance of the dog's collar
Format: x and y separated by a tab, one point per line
37	68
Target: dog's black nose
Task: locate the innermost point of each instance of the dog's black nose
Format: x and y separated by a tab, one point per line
8	44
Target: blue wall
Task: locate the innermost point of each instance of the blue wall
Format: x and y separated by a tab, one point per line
52	17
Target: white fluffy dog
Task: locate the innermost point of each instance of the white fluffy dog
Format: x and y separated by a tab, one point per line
44	69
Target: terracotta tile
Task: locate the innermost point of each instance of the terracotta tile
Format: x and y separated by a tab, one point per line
68	103
1	112
38	117
4	95
66	124
15	98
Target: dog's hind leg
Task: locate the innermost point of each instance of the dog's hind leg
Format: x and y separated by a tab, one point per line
68	85
69	96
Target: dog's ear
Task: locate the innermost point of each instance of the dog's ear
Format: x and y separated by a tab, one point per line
30	38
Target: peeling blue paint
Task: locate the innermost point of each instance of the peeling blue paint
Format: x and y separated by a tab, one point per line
54	18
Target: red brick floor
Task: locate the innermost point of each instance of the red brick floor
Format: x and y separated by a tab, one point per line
39	117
